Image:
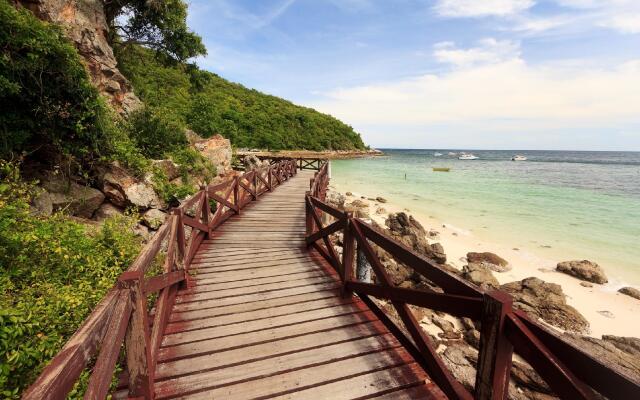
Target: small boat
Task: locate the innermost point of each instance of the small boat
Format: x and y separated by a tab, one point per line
451	153
436	154
441	169
518	157
467	156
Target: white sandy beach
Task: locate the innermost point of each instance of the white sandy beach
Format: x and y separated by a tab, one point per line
607	311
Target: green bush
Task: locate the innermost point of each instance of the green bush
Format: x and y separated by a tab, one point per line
155	133
53	271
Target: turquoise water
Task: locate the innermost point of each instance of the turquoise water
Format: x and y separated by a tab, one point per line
558	205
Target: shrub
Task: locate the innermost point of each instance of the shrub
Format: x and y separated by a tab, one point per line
47	100
154	133
53	272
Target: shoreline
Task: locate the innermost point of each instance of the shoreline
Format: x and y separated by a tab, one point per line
594	303
325	154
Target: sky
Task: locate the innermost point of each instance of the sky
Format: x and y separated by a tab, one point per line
441	74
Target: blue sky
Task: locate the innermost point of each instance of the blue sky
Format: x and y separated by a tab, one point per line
504	74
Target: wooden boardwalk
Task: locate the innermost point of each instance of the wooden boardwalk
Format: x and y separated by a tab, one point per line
265	319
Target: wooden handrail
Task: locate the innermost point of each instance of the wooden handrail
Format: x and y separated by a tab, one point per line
569	371
122	315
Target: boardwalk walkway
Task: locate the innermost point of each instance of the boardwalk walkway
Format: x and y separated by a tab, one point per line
265	320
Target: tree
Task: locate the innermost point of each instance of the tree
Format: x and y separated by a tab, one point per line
160	25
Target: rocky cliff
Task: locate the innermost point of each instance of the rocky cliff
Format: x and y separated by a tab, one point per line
85	24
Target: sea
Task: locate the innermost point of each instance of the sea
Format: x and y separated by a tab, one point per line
560	205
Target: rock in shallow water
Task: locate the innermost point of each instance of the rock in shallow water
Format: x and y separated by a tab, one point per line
583	269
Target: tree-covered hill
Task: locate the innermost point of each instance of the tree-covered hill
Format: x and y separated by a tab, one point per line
209	104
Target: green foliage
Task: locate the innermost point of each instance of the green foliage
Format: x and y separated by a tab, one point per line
170	192
46	97
209	104
155	133
193	163
53	271
160	25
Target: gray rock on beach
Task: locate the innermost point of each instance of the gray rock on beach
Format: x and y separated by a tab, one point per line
480	275
629	291
546	301
583	269
490	260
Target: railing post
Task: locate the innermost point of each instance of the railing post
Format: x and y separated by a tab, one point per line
308	216
206	209
236	196
495	353
348	255
255	184
269	178
138	346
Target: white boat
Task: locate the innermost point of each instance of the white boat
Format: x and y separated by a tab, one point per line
436	154
518	157
467	156
451	153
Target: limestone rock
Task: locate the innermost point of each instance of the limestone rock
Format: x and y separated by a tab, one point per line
336	199
480	275
143	196
619	353
629	291
381	199
546	301
192	136
448	329
438	253
153	218
86	26
107	210
583	269
407	230
490	260
216	149
124	190
78	200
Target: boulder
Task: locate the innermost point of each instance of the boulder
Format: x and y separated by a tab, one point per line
583	269
629	291
124	190
381	199
546	301
490	260
192	136
480	275
153	218
448	330
77	200
169	168
438	254
106	210
143	232
381	211
619	353
251	162
336	199
216	149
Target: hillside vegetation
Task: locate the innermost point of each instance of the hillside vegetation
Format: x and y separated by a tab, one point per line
209	104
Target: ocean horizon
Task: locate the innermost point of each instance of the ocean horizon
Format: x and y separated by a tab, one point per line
558	204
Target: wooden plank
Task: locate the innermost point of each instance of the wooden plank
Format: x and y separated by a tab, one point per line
203	277
214	303
255	282
426	391
252	306
260	313
387	366
254	325
363	385
203	294
267	335
270	364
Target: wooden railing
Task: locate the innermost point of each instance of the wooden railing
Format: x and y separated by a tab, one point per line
570	372
123	317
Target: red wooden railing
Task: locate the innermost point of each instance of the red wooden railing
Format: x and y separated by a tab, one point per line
122	317
570	372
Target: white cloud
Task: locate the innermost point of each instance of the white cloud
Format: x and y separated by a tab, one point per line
498	97
481	8
489	50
